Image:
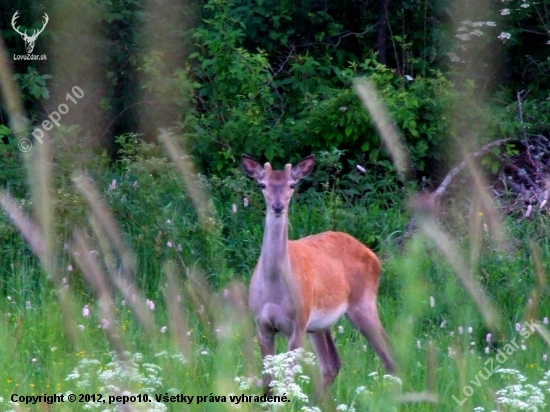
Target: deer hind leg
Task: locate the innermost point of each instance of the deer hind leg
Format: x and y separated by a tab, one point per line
329	361
364	316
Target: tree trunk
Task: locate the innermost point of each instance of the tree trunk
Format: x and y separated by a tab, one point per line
382	29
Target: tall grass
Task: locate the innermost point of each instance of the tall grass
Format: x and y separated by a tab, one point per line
197	329
132	280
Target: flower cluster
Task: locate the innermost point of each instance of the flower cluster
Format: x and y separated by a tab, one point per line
288	374
5	403
504	36
519	395
467	32
121	377
469	29
289	379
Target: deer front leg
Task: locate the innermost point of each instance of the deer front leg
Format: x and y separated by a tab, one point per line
266	338
296	340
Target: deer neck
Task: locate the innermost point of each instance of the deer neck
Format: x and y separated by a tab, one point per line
274	260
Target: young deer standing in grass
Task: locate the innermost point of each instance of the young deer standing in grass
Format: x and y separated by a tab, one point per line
305	285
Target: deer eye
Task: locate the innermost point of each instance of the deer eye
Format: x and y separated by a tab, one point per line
261	185
292	185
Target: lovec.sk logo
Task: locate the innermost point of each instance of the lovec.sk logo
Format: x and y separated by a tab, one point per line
29	40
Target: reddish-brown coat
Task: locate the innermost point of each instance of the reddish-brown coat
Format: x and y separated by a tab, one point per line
333	268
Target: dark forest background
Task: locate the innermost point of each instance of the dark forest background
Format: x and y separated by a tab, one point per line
273	78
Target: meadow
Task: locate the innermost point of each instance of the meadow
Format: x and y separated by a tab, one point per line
126	285
125	257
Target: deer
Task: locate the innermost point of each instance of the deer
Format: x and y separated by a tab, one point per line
29	40
304	286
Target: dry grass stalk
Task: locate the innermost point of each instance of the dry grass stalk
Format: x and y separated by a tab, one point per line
91	270
10	95
109	225
386	128
110	239
28	229
450	250
188	174
177	322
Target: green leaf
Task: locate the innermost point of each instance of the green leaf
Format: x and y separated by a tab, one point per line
4	131
349	130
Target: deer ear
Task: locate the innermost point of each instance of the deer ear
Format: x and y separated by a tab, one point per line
303	168
252	168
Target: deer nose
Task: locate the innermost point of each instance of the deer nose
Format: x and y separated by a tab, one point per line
278	207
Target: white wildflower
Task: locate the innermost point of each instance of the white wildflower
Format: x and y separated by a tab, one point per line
393	379
120	377
287	373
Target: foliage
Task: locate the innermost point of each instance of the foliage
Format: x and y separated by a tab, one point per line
525	24
256	81
248	104
33	84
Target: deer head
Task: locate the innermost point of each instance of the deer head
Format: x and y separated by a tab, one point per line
29	40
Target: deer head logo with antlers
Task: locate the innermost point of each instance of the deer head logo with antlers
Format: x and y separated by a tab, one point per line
29	40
